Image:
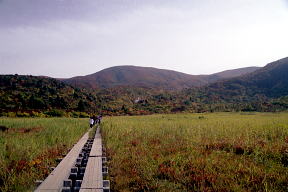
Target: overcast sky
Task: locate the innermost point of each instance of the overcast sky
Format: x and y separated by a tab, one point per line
65	38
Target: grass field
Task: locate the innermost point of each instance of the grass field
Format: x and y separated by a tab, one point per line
198	152
31	145
181	152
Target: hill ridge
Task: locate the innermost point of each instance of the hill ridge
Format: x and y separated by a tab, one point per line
150	77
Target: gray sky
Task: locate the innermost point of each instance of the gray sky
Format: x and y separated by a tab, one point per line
65	38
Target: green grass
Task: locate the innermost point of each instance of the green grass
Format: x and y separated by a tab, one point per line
31	146
198	152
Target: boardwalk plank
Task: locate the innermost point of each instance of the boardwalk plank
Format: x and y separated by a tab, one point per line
93	178
96	150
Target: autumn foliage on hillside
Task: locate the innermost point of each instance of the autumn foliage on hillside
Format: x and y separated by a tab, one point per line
42	96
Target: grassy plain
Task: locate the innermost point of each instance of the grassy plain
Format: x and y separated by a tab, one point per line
198	152
31	145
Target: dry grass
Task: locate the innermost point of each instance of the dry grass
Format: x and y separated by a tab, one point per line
30	146
216	152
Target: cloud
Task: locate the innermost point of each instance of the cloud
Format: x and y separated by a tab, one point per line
15	13
183	35
39	12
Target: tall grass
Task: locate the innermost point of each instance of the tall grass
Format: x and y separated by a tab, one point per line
31	146
198	152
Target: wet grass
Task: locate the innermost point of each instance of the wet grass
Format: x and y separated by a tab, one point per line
29	146
198	152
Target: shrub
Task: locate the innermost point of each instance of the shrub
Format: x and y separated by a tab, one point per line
36	114
74	114
11	114
3	114
83	115
55	113
24	114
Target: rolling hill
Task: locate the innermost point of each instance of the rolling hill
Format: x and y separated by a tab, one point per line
270	81
148	77
232	73
136	76
140	90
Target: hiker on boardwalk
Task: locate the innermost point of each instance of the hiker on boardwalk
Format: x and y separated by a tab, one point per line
95	119
91	121
99	119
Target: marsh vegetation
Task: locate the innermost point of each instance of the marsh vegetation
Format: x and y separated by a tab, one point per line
174	152
29	147
192	152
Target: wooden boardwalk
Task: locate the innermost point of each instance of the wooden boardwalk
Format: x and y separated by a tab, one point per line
93	177
94	170
96	150
54	181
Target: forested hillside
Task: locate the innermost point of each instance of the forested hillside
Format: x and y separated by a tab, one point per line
26	93
260	90
148	77
268	82
145	77
265	89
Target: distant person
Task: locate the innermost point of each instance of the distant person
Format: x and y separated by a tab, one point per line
99	119
91	122
95	119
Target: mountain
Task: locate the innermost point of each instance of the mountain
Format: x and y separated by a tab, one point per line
270	81
227	74
235	72
136	76
148	77
264	89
